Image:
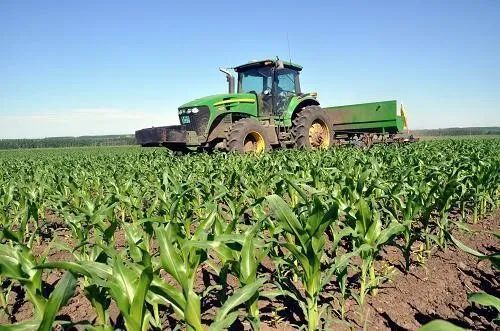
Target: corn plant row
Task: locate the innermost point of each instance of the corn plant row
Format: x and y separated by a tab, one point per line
205	238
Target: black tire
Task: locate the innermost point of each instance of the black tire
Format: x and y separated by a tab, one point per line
247	135
306	118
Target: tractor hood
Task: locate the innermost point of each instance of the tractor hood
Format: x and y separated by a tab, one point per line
221	99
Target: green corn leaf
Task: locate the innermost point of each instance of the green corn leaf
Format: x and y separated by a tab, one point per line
14	261
340	264
494	258
484	299
286	216
281	292
248	263
154	219
137	307
338	235
169	293
64	290
374	229
204	226
363	216
241	295
21	326
328	218
317	244
98	272
168	255
173	208
86	268
297	188
147	320
12	235
219	247
225	323
11	268
121	287
467	249
298	254
192	311
229	238
315	217
387	234
440	325
273	294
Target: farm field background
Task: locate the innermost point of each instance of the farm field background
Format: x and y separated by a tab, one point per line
129	139
122	237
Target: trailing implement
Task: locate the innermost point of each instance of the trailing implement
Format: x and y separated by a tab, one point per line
270	110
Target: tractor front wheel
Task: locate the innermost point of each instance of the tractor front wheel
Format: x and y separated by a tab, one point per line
247	136
312	129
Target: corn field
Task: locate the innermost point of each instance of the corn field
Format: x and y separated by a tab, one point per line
205	241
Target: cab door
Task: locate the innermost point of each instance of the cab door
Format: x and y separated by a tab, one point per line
266	104
259	81
286	85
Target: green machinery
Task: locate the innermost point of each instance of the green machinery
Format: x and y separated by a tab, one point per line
266	108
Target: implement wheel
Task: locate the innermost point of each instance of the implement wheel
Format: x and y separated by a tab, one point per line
247	136
312	129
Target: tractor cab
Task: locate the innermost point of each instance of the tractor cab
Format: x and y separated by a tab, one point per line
273	82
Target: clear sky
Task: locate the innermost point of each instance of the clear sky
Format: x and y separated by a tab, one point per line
106	67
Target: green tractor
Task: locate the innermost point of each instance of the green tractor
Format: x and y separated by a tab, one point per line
269	110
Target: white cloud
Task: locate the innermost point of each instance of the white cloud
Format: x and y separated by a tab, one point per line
81	122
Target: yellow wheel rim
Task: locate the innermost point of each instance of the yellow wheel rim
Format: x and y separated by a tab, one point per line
319	135
254	143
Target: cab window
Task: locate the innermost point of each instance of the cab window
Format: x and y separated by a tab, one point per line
285	80
255	80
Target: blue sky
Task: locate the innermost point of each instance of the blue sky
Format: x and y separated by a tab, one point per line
104	67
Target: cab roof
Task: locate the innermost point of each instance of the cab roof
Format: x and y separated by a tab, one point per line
263	63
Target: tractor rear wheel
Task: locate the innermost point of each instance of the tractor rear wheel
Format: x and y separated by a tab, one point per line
312	129
247	136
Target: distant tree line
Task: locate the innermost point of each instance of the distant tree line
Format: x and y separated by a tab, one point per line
55	142
471	131
125	140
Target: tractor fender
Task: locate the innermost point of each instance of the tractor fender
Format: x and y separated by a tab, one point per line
298	104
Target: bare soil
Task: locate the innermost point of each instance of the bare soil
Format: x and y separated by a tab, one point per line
438	289
435	290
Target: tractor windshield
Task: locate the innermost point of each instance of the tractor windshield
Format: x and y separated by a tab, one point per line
255	80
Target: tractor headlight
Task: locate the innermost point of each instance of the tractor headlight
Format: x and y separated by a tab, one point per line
195	110
188	111
180	111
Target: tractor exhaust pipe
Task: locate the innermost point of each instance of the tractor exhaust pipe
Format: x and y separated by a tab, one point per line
229	78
